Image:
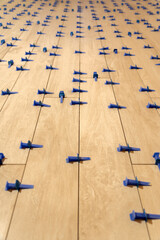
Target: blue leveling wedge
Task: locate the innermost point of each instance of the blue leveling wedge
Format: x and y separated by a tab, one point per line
140	37
99	30
2	157
21	69
43	92
77	102
79	52
17	186
104	48
33	45
137	33
111	83
130	182
95	76
26	60
23	29
78	80
78	90
30	53
107	70
40	32
56	47
143	216
35	103
147	46
80	73
155	58
61	96
10	45
7	92
128	54
127	149
51	68
71	159
101	38
157	159
116	106
29	145
79	32
147	89
126	48
54	54
135	67
119	36
104	53
153	106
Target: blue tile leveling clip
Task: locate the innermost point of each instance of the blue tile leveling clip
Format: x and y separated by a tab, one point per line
71	159
17	186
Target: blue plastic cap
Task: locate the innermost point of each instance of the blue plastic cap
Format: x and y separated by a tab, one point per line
10	63
7	186
133	216
89	27
61	94
125	182
129	34
2	41
104	17
95	75
157	159
156	155
115	50
57	17
119	149
44	49
38	22
71	34
1	158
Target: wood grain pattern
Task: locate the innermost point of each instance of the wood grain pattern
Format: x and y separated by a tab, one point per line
50	210
83	201
19	108
103	198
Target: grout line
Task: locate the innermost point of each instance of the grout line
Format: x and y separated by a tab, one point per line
12	164
143	164
47	97
79	142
